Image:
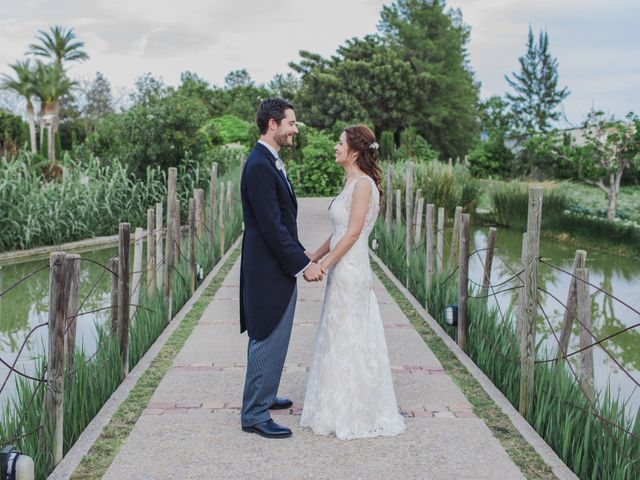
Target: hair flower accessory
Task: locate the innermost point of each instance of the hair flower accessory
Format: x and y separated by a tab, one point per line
374	146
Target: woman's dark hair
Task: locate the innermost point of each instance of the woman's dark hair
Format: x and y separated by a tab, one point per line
271	108
361	139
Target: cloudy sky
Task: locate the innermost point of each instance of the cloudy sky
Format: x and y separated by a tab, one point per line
596	43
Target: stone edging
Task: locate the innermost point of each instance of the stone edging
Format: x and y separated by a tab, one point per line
88	437
527	431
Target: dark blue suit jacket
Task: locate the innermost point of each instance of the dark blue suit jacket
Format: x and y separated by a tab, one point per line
271	252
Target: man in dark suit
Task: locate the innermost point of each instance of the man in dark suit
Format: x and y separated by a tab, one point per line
272	258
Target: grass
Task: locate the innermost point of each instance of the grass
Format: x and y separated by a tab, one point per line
105	449
592	448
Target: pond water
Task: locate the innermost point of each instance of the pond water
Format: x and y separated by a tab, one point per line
617	275
26	306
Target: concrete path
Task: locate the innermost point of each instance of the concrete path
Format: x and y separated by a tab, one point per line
191	428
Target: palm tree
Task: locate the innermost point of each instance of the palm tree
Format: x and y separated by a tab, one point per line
60	45
50	83
23	85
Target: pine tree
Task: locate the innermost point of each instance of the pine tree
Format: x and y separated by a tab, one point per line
537	95
99	98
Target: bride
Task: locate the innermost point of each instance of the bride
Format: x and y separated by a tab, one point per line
350	389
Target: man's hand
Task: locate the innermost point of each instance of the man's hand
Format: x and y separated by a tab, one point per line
313	273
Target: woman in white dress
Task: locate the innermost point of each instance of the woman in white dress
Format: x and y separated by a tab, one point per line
350	390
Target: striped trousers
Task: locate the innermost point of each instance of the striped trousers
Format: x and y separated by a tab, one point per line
265	361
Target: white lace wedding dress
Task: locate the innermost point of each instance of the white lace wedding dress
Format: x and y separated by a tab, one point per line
350	389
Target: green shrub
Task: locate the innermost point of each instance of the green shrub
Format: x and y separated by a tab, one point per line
491	158
233	129
160	133
318	172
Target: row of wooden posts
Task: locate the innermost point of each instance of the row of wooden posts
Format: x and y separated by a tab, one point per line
578	302
164	250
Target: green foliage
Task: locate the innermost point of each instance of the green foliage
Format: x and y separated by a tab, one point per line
433	41
233	130
491	158
158	131
318	171
414	73
387	146
45	143
14	133
58	145
537	94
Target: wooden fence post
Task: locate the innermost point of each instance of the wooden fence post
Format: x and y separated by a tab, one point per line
213	199
455	238
151	264
572	305
169	256
229	197
488	261
192	245
221	222
409	215
398	207
198	195
418	223
428	243
160	267
528	354
123	295
389	199
586	333
72	311
113	266
136	280
177	231
450	162
463	280
59	280
440	239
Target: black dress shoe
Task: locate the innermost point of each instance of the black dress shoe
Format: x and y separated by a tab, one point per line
281	404
268	429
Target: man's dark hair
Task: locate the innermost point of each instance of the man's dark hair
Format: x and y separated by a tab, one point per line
271	108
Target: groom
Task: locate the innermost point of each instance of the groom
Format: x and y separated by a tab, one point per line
272	258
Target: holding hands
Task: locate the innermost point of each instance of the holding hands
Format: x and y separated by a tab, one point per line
314	273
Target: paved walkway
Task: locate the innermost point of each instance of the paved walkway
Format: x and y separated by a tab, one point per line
191	428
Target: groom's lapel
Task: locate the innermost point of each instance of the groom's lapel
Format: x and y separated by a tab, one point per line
272	160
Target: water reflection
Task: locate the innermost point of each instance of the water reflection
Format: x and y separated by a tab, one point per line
614	274
27	305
